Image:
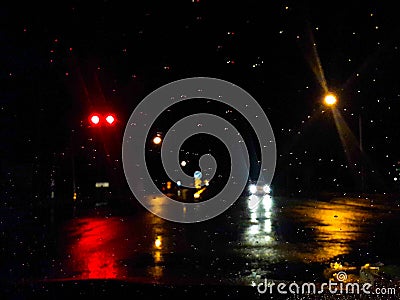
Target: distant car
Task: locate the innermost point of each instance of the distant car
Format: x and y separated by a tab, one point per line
259	188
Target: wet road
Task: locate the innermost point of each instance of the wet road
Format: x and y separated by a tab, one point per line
283	239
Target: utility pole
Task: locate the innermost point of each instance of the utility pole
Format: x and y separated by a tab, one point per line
360	132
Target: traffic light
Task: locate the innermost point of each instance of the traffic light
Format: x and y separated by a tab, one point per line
96	119
110	119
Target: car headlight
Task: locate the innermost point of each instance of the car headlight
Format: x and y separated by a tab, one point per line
267	189
253	189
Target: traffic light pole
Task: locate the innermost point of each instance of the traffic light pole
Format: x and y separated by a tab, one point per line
73	165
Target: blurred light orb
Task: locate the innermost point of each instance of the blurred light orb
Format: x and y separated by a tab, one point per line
267	189
157	140
158	242
110	119
330	99
95	119
197	175
253	189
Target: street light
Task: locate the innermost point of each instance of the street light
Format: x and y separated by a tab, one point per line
157	140
330	100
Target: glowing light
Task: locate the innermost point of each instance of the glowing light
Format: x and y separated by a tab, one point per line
197	183
95	119
253	188
158	242
198	193
267	189
183	163
330	99
157	140
110	119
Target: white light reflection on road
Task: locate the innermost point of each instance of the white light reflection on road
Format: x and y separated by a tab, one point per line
259	231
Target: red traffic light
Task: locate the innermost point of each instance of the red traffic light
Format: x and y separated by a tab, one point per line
110	119
97	119
94	119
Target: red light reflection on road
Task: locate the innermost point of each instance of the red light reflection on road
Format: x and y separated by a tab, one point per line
95	248
101	265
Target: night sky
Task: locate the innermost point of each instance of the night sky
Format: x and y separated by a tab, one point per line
65	59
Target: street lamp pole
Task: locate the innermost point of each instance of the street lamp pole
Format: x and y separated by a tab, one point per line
360	131
360	136
330	100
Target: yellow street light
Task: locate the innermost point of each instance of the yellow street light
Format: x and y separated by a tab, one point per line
157	140
330	99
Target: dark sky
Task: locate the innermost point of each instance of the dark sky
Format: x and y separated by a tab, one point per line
62	60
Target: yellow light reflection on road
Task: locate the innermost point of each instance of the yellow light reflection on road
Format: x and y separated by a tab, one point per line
157	204
158	242
334	227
